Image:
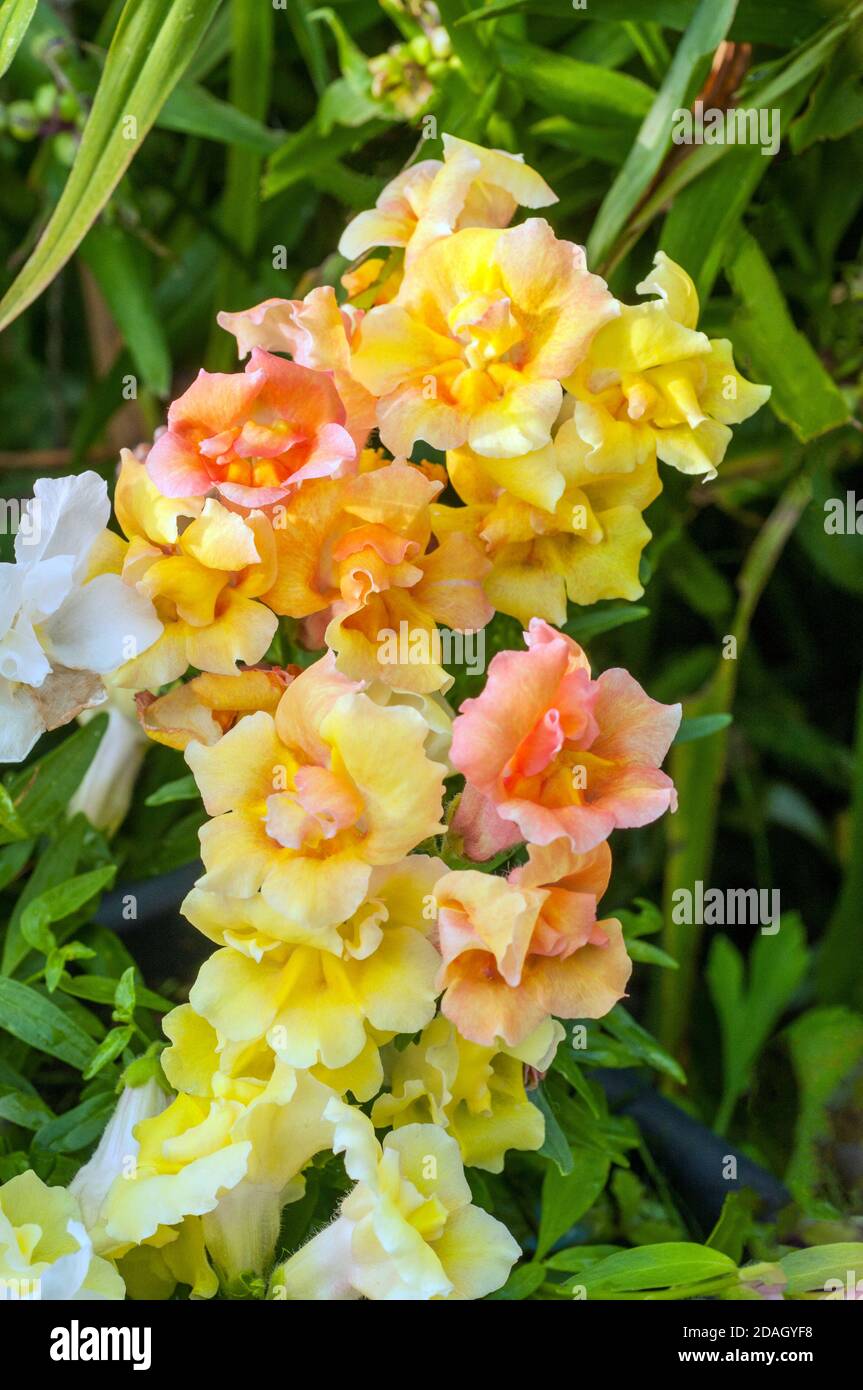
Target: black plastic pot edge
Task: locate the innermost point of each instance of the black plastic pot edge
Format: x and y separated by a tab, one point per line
691	1155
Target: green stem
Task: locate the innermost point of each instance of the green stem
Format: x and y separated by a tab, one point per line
698	770
249	91
839	976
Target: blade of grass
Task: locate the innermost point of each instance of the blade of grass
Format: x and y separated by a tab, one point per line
566	86
249	93
15	18
839	975
309	41
708	28
116	264
786	89
698	769
148	55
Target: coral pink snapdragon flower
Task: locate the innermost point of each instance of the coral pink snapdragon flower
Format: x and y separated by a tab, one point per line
547	751
253	436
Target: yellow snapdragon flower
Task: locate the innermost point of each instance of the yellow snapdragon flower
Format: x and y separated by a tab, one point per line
308	803
322	998
477	1093
471	187
485	326
233	1155
45	1249
651	384
553	528
203	567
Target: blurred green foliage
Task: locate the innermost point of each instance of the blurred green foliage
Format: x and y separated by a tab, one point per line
164	159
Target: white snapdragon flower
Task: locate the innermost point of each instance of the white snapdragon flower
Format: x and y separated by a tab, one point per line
105	794
61	627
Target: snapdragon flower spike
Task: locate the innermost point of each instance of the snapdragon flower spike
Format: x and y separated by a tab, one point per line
253	436
548	752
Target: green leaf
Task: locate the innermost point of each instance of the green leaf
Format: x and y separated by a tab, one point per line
309	150
63	899
119	266
56	863
555	1145
77	1128
183	789
836	552
779	353
608	144
691	58
36	932
642	919
13	859
12	1080
675	14
15	16
192	110
9	818
641	1044
524	1280
309	42
697	580
150	50
110	1047
734	1223
36	1021
749	1011
702	726
648	954
808	1271
836	106
19	1108
826	1048
178	846
353	63
101	989
565	1063
565	86
125	995
667	1266
565	1198
578	1257
42	791
584	626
